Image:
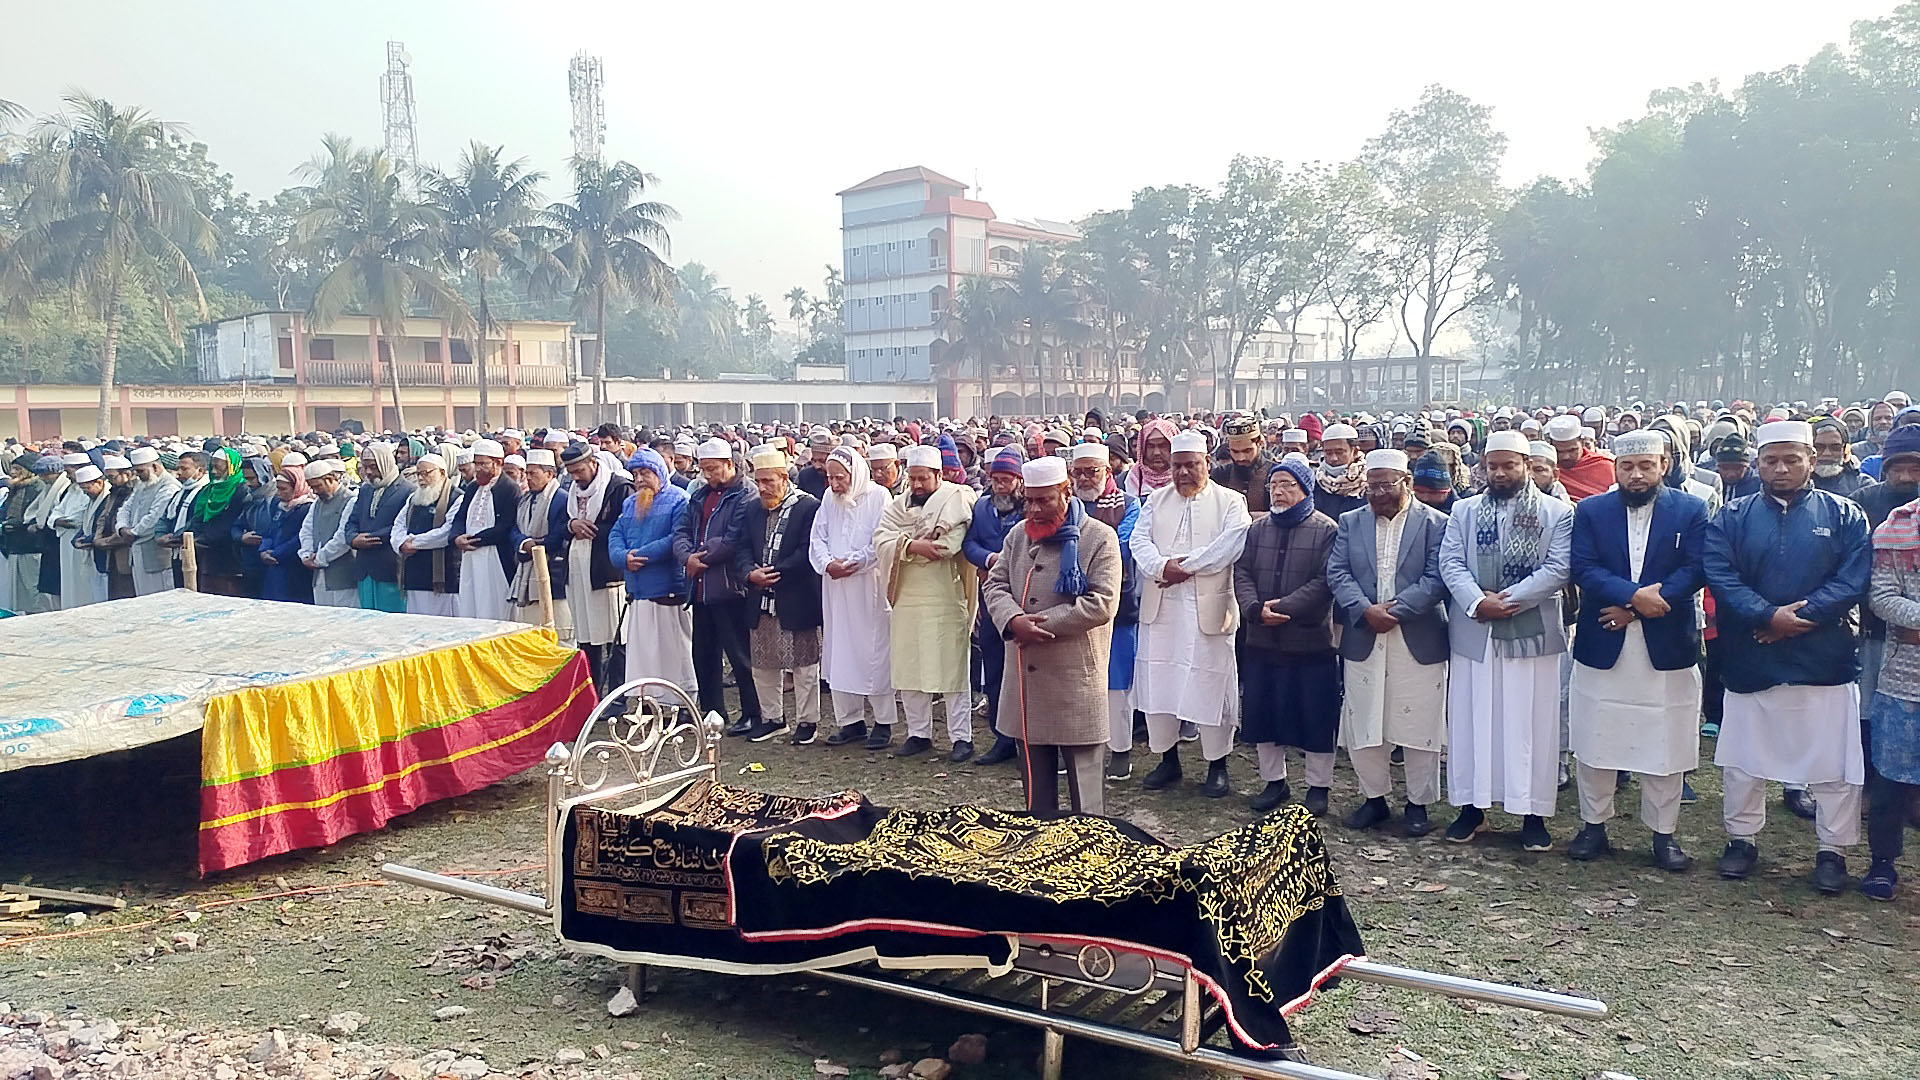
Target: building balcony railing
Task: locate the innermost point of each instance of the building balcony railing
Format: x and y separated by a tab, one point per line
360	373
1002	267
936	262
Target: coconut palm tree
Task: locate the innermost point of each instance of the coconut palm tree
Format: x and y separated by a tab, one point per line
490	213
613	243
709	319
979	323
384	250
103	217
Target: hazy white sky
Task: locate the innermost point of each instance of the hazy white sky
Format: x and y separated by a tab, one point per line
754	114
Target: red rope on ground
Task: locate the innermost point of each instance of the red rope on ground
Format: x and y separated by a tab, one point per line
119	928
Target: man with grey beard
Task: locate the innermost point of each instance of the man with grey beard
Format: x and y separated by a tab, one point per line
1091	475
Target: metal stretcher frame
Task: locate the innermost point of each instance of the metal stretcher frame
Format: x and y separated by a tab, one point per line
642	743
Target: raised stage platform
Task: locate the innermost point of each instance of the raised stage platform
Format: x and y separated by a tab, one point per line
317	723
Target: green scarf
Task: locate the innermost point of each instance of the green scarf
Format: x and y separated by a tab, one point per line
218	493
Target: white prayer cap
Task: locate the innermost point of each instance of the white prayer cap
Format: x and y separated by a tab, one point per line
91	472
1563	428
1505	413
540	456
75	459
1784	431
1778	412
1387	459
1543	450
714	449
683	444
1594	415
1087	451
770	457
514	433
1339	431
293	458
1294	435
1045	471
463	457
1510	441
434	460
516	459
1093	433
882	451
1189	442
925	457
489	448
317	469
1530	424
1640	442
143	455
115	461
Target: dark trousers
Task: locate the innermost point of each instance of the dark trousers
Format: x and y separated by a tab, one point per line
720	627
993	665
1713	693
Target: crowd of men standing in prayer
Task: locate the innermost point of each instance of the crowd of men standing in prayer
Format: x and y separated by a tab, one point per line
1496	589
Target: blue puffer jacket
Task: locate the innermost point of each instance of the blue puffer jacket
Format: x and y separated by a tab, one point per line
651	538
1759	557
987	533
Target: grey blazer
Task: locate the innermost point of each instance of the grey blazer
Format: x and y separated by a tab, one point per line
1541	589
1419	600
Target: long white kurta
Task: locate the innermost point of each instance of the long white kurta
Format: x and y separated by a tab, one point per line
426	601
327	550
533	524
934	604
80	583
145	513
1503	712
1180	670
1794	734
483	585
856	655
1631	716
1390	696
596	613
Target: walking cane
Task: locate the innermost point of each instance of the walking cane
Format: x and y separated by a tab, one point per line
189	563
543	586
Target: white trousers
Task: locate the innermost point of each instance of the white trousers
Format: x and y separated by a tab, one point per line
1836	821
1273	765
1119	721
1163	734
1373	766
1659	797
850	709
806	694
919	706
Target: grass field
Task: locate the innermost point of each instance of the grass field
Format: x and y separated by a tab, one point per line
1760	979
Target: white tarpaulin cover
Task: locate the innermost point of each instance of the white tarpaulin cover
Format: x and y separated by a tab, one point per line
126	673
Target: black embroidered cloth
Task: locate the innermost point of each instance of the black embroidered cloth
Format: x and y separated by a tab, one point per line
656	883
727	878
1255	912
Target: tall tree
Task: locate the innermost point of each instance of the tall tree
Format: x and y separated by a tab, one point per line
490	216
1439	163
614	244
103	219
979	323
383	249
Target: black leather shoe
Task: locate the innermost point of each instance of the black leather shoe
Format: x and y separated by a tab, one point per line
1164	775
1216	786
852	733
803	735
1534	835
1738	860
741	727
1275	793
1472	819
1414	823
1003	749
961	751
914	745
1668	856
1369	815
1830	872
1801	802
1316	801
1589	843
881	737
1120	766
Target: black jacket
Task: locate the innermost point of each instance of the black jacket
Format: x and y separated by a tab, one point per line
376	516
796	596
506	500
559	539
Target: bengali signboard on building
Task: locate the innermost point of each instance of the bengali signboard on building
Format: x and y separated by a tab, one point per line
219	393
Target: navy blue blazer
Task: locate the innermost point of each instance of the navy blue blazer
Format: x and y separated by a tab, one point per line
1600	568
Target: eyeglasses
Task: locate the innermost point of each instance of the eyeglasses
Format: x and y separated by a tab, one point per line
1085	473
1384	489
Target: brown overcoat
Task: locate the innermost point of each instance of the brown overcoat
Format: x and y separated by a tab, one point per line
1055	693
